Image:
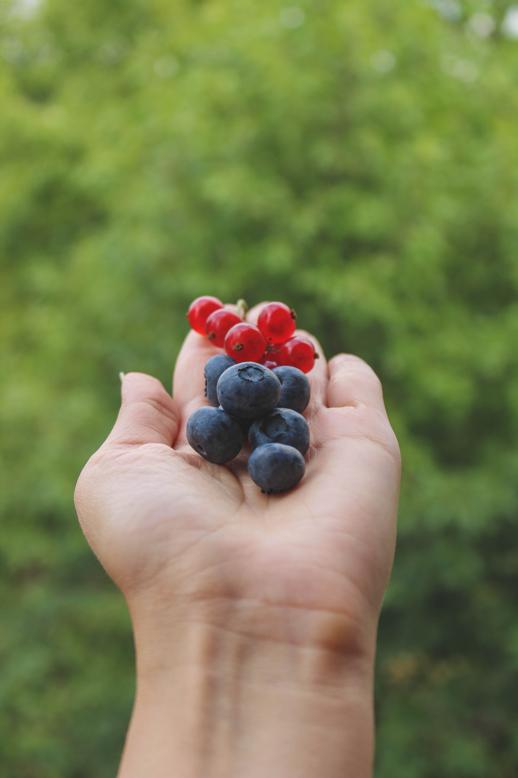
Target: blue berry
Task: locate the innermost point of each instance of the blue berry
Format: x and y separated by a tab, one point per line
295	389
275	467
244	424
282	425
248	390
213	369
214	434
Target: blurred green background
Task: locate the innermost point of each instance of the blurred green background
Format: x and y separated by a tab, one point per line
358	159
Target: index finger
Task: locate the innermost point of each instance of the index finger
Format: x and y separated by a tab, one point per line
188	378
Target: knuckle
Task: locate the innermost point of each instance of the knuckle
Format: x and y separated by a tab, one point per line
157	396
379	429
160	401
389	441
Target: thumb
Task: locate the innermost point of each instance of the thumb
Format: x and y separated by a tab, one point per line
148	414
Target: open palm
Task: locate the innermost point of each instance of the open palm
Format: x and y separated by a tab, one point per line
171	528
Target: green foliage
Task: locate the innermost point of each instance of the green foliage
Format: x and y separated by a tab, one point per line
358	159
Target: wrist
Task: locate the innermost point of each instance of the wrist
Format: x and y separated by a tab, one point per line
250	698
342	633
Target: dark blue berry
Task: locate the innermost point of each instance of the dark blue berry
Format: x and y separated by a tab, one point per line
248	390
275	467
213	369
244	424
295	389
282	425
214	434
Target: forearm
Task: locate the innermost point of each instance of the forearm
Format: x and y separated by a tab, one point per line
217	703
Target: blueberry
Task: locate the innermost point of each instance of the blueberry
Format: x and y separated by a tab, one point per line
214	434
295	389
244	424
248	390
282	425
214	367
275	467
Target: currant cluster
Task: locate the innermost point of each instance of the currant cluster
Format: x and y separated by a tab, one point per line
272	342
257	392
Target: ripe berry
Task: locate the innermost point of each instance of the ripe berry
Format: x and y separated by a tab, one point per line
248	390
297	352
270	364
212	371
218	324
199	311
295	390
277	322
276	467
281	426
214	434
244	343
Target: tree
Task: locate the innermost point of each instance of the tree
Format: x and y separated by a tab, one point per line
358	160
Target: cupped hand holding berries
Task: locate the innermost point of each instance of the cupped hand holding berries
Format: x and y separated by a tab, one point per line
216	572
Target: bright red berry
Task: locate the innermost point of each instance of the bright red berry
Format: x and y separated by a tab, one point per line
199	311
218	324
297	352
245	343
277	322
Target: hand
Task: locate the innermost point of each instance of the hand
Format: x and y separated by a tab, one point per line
192	542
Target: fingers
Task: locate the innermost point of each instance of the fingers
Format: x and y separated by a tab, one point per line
148	414
188	378
352	382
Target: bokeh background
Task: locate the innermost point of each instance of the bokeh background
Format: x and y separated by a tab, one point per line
357	159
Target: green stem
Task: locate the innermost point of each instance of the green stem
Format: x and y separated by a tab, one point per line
242	308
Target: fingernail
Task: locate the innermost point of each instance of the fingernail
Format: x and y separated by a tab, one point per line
121	376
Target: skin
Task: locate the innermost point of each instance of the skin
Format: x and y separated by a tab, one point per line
254	616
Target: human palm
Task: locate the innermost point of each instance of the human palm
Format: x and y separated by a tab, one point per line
169	526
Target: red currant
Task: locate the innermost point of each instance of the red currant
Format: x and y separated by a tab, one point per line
277	322
200	309
297	352
218	324
244	343
270	364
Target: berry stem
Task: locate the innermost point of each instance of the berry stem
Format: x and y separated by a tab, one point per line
242	308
